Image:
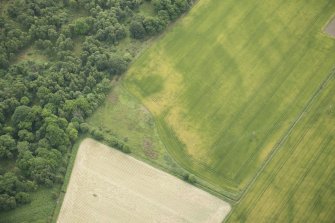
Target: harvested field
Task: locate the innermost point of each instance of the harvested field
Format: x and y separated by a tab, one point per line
109	186
330	29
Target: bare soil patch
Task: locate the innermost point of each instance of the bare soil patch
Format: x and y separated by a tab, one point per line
109	186
330	29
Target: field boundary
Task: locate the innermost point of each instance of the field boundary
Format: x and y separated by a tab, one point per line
75	147
72	158
149	41
283	139
235	199
130	190
324	27
201	183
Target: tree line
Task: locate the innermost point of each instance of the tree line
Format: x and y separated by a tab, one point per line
44	104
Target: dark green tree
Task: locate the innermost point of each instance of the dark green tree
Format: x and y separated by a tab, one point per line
7	146
137	30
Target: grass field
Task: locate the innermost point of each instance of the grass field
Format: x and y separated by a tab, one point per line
123	117
109	186
40	210
227	82
299	183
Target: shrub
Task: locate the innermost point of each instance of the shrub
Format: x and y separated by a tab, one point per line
84	127
22	198
190	178
97	134
137	30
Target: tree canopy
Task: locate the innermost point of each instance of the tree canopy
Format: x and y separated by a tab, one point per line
44	103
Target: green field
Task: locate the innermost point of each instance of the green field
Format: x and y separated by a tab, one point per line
123	117
299	183
227	82
40	210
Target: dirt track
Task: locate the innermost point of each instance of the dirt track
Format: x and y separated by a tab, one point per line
109	186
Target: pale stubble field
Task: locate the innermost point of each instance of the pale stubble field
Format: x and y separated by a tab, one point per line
109	186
